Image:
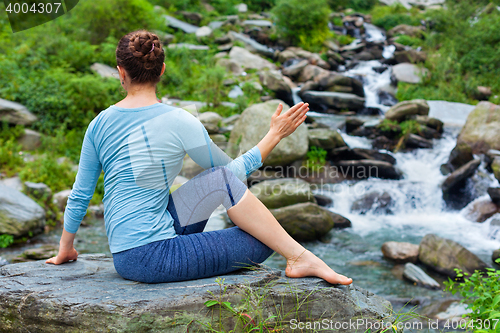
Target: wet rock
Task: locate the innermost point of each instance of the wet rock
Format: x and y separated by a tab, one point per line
416	141
334	100
309	85
311	72
252	44
37	190
410	56
400	252
335	82
323	200
375	201
482	128
380	69
352	123
362	169
495	167
283	192
404	29
459	156
494	193
346	153
253	125
60	199
178	24
416	275
495	256
107	302
325	138
19	215
456	178
273	80
305	221
39	253
315	59
15	113
241	60
3	262
404	110
408	73
104	70
444	255
481	209
30	140
295	69
211	121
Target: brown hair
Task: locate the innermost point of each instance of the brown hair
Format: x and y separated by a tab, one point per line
141	60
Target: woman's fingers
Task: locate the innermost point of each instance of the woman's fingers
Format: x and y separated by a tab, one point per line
300	111
278	110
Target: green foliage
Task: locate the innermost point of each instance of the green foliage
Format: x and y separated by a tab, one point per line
46	169
309	30
389	126
6	240
409	41
113	17
210	83
315	158
481	293
10	159
388	17
177	4
99	191
260	5
410	127
358	5
10	132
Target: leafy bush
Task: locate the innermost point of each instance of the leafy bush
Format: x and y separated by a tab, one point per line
315	158
10	160
359	5
6	240
481	293
388	17
409	41
96	20
46	169
308	30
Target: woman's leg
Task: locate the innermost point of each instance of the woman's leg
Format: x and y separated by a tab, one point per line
252	216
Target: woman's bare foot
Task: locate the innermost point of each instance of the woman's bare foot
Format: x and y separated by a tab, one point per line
307	264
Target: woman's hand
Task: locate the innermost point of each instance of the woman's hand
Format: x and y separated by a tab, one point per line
282	125
63	256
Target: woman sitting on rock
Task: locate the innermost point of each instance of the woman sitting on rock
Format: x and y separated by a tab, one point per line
156	236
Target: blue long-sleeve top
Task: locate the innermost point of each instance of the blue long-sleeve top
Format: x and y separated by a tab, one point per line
141	151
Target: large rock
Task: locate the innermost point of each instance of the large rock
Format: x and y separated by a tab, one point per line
306	221
456	178
89	296
252	44
408	73
400	252
15	113
494	193
410	56
404	29
375	201
459	156
273	80
19	215
203	32
334	100
60	199
312	72
444	255
38	190
482	128
362	169
495	256
211	121
416	275
253	125
295	69
404	110
278	193
178	24
481	209
325	138
346	153
241	60
105	70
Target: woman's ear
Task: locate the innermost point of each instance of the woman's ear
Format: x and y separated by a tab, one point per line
162	69
121	73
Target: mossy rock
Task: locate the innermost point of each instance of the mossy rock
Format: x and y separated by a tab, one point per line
482	128
325	138
278	193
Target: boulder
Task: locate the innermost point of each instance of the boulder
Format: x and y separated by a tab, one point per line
192	17
189	46
323	200
241	60
335	100
482	128
13	182
341	83
273	80
88	295
456	178
481	209
404	29
203	32
325	138
416	275
404	110
252	44
19	215
258	23
181	25
495	256
189	168
60	199
312	72
444	255
410	56
375	201
241	8
105	70
459	156
416	141
211	121
15	113
408	73
253	125
283	192
400	252
495	167
305	221
352	123
42	252
346	153
494	193
295	69
30	140
483	93
362	169
37	190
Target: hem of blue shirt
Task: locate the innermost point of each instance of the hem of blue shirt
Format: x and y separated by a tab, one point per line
116	249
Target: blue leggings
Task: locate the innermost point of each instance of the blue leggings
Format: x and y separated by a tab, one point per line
193	254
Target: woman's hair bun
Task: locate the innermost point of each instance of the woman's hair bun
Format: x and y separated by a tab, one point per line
145	46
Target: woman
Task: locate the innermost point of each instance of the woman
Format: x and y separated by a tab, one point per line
155	236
